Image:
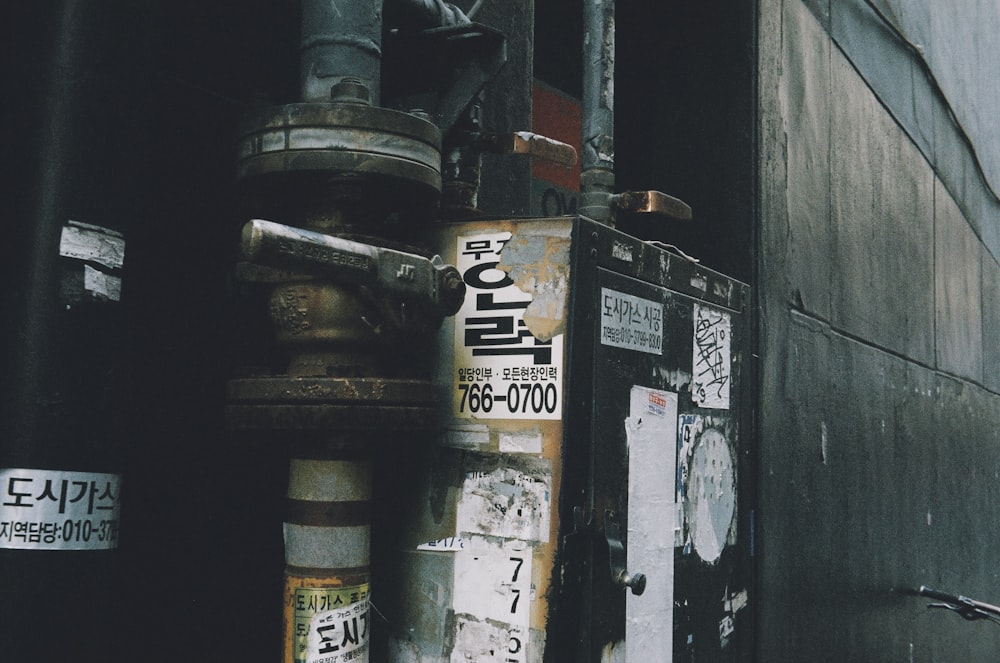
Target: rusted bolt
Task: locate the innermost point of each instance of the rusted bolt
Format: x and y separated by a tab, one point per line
351	91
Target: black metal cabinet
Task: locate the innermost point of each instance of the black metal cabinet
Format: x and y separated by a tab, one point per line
656	446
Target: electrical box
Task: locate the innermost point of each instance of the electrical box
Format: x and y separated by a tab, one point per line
588	498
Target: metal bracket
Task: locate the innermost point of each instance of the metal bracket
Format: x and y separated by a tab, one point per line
440	70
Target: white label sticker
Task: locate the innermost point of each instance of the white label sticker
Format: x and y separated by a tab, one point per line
712	358
92	243
506	503
501	370
340	635
631	322
54	510
493	581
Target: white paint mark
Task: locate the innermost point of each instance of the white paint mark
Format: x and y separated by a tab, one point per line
726	628
738	601
672	380
614	652
92	243
699	283
710	508
822	441
928	518
651	433
621	252
525	442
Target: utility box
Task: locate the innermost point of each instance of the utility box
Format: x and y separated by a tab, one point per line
588	499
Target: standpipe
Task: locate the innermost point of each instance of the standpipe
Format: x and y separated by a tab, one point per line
341	188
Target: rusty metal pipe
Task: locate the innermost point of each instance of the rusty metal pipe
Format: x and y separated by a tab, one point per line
597	177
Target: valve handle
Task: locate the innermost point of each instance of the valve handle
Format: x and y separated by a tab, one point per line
652	202
429	282
529	144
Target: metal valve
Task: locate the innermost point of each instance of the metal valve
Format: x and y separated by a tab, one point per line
427	281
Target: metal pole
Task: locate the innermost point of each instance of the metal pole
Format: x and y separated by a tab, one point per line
597	176
59	444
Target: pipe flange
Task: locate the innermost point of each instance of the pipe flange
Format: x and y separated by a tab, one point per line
287	403
339	139
287	390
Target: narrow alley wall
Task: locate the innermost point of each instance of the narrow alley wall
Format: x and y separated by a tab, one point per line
880	371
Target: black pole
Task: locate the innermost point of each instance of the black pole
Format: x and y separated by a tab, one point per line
67	124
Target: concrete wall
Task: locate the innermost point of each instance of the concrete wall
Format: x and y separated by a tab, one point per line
880	373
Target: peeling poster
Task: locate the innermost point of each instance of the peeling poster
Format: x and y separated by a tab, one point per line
505	502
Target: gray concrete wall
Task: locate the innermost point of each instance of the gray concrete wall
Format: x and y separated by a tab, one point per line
880	373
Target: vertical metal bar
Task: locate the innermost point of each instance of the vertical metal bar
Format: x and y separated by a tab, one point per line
597	177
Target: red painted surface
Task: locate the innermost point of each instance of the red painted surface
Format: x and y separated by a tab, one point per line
556	115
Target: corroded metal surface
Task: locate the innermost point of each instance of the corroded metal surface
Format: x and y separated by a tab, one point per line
350	139
285	390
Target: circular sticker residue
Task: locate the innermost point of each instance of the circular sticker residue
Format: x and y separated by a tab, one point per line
711	495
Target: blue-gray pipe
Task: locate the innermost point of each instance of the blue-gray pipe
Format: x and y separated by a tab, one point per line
341	39
341	43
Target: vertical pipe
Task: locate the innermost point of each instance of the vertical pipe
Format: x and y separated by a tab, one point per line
327	555
597	176
341	40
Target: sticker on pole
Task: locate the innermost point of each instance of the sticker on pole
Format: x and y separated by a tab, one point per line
331	624
340	635
55	510
631	322
501	370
